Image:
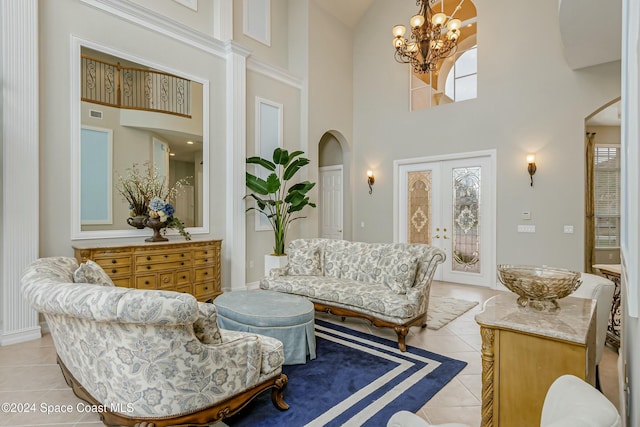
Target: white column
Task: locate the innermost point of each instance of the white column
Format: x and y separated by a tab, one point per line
235	243
19	209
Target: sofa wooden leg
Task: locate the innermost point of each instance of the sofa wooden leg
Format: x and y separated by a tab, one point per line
277	394
402	333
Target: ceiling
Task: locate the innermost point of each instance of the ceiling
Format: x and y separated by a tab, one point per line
590	33
610	116
348	12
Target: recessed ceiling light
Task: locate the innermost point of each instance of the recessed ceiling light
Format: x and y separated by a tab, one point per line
190	142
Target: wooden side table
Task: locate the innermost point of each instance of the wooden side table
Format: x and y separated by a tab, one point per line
524	351
612	272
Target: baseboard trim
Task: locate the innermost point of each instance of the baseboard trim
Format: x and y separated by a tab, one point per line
20	336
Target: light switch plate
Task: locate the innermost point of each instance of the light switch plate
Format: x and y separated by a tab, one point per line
568	229
526	229
526	215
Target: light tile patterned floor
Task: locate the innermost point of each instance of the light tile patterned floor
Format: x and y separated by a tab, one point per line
29	374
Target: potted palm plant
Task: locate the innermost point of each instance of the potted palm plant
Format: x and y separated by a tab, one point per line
278	201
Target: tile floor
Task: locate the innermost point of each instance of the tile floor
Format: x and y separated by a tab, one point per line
29	374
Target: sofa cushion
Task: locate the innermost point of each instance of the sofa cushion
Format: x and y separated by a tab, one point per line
397	270
360	261
370	298
305	262
90	272
334	252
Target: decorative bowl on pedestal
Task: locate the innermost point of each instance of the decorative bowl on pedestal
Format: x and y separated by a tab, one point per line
539	287
156	225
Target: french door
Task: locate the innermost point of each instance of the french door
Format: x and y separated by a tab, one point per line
330	202
449	202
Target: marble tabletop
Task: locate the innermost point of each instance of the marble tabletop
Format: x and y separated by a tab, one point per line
609	268
569	323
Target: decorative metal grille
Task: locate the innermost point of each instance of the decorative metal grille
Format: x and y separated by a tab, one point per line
134	88
466	224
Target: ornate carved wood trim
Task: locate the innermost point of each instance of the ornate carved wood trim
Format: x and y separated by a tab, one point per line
488	357
401	329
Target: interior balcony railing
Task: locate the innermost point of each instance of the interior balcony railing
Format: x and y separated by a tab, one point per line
134	88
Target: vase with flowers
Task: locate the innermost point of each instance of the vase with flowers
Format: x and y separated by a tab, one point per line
149	199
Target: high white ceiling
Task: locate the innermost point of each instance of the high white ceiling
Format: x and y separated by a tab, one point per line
348	12
610	116
590	29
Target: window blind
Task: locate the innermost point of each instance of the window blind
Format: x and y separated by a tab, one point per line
607	196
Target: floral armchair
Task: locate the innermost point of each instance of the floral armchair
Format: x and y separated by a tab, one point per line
151	358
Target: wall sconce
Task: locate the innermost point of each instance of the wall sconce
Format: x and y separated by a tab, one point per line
531	167
370	180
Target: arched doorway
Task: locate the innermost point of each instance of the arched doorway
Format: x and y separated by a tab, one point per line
334	208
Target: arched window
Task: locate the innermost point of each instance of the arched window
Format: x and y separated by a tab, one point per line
462	81
455	77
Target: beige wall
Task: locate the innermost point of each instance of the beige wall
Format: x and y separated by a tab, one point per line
277	52
58	21
528	101
330	92
201	20
260	243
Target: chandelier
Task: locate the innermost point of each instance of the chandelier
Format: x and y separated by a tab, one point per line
434	36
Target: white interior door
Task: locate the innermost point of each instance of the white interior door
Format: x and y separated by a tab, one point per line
450	203
330	202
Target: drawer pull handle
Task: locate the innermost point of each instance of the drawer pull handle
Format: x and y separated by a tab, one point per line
182	263
113	261
206	252
146	282
114	271
148	258
206	273
206	260
166	280
182	255
166	256
184	277
206	288
148	267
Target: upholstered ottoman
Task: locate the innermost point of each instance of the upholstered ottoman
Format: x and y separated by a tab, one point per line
289	318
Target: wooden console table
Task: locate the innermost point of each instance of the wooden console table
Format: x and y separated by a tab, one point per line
612	272
191	266
524	351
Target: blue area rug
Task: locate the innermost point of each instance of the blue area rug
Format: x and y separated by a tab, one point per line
357	379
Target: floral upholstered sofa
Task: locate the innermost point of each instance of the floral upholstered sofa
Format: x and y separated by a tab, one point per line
151	358
387	284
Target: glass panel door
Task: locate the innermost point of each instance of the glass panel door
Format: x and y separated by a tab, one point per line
465	237
450	204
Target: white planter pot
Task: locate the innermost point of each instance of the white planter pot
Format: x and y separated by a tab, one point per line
274	261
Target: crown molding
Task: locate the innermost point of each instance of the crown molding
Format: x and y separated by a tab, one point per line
159	23
274	72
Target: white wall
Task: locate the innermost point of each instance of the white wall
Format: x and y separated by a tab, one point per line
529	100
630	339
